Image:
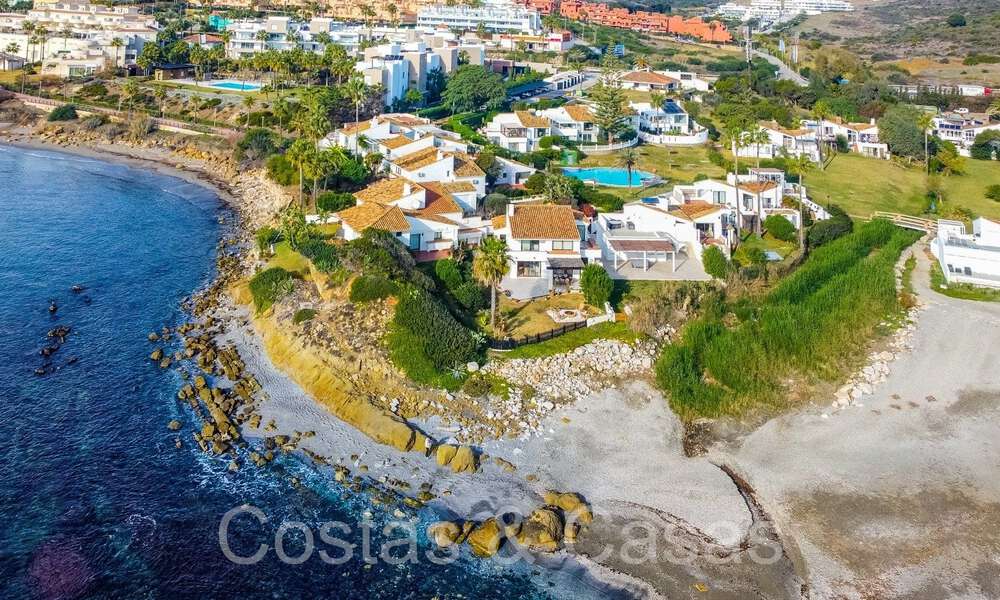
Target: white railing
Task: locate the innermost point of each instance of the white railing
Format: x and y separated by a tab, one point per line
605	148
668	139
609	315
818	211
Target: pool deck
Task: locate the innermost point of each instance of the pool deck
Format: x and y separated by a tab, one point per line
213	85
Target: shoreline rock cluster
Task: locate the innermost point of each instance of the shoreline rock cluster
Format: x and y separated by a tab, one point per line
547	528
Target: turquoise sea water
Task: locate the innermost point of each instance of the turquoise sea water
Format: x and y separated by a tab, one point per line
608	175
95	500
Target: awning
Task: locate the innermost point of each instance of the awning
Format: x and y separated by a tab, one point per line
641	245
566	263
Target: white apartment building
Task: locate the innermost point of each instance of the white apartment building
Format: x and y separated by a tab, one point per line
776	11
861	137
668	125
544	243
401	66
554	41
969	258
961	128
494	15
781	141
286	33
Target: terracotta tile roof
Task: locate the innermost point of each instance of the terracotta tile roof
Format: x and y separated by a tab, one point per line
693	210
458	187
499	221
396	142
418	159
386	191
528	119
756	187
376	216
432	217
466	167
352	128
405	120
439	200
543	222
774	126
579	112
648	77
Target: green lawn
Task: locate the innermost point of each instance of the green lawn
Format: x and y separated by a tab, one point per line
962	291
764	243
678	164
864	185
529	318
289	259
572	340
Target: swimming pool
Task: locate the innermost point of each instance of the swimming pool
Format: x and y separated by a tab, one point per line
609	175
239	86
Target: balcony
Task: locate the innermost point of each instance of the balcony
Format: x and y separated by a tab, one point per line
514	132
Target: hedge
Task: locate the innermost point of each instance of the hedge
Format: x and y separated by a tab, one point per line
323	255
780	228
715	262
442	339
596	285
471	296
66	112
372	287
335	201
449	273
269	286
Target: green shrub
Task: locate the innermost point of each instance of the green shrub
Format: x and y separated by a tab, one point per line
495	204
715	262
780	228
596	285
323	255
257	143
548	141
269	286
366	288
448	272
378	252
824	232
471	296
302	315
265	237
993	192
956	20
66	112
281	170
444	342
335	201
601	200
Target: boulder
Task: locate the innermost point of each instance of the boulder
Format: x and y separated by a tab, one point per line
570	531
542	531
444	533
572	505
199	382
485	538
156	355
445	454
464	460
174	425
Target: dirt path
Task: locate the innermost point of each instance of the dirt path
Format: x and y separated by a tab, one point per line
898	497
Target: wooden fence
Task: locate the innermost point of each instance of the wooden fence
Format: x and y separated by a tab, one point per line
511	343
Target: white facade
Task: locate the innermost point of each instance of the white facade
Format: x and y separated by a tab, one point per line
775	11
761	194
969	258
861	137
554	41
668	125
494	15
544	243
781	141
512	172
517	131
961	129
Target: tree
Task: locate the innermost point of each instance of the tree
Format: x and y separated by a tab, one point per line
596	285
393	11
299	154
715	262
628	159
925	121
800	165
130	89
117	43
821	112
248	103
780	228
472	87
735	132
160	93
986	145
356	90
899	129
489	266
558	188
150	56
609	108
952	163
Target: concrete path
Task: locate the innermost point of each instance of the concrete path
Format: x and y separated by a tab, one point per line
900	497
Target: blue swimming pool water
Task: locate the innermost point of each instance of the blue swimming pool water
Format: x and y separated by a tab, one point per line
608	175
237	85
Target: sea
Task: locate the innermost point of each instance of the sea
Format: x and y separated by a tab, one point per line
96	500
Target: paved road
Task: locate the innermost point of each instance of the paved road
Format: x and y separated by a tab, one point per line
784	71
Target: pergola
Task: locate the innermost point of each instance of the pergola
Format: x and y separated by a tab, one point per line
646	249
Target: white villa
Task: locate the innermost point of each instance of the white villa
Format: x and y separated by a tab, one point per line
647	80
666	125
961	128
969	258
545	244
521	131
861	137
781	141
761	194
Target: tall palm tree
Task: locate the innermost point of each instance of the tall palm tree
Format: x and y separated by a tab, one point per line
65	33
821	112
160	93
393	11
357	91
735	135
758	137
248	103
130	89
298	154
117	43
628	159
800	165
489	265
262	36
925	121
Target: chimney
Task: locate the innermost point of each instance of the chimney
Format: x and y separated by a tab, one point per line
406	188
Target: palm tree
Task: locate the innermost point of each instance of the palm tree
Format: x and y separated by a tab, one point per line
800	165
42	32
65	33
357	91
130	89
994	109
160	93
248	103
821	112
735	135
298	154
757	138
393	11
925	121
628	159
117	44
262	36
489	265
641	63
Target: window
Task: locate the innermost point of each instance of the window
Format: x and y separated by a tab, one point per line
438	235
530	246
562	245
529	269
719	197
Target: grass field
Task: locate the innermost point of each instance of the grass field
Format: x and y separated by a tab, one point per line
677	164
863	185
529	318
289	259
574	339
